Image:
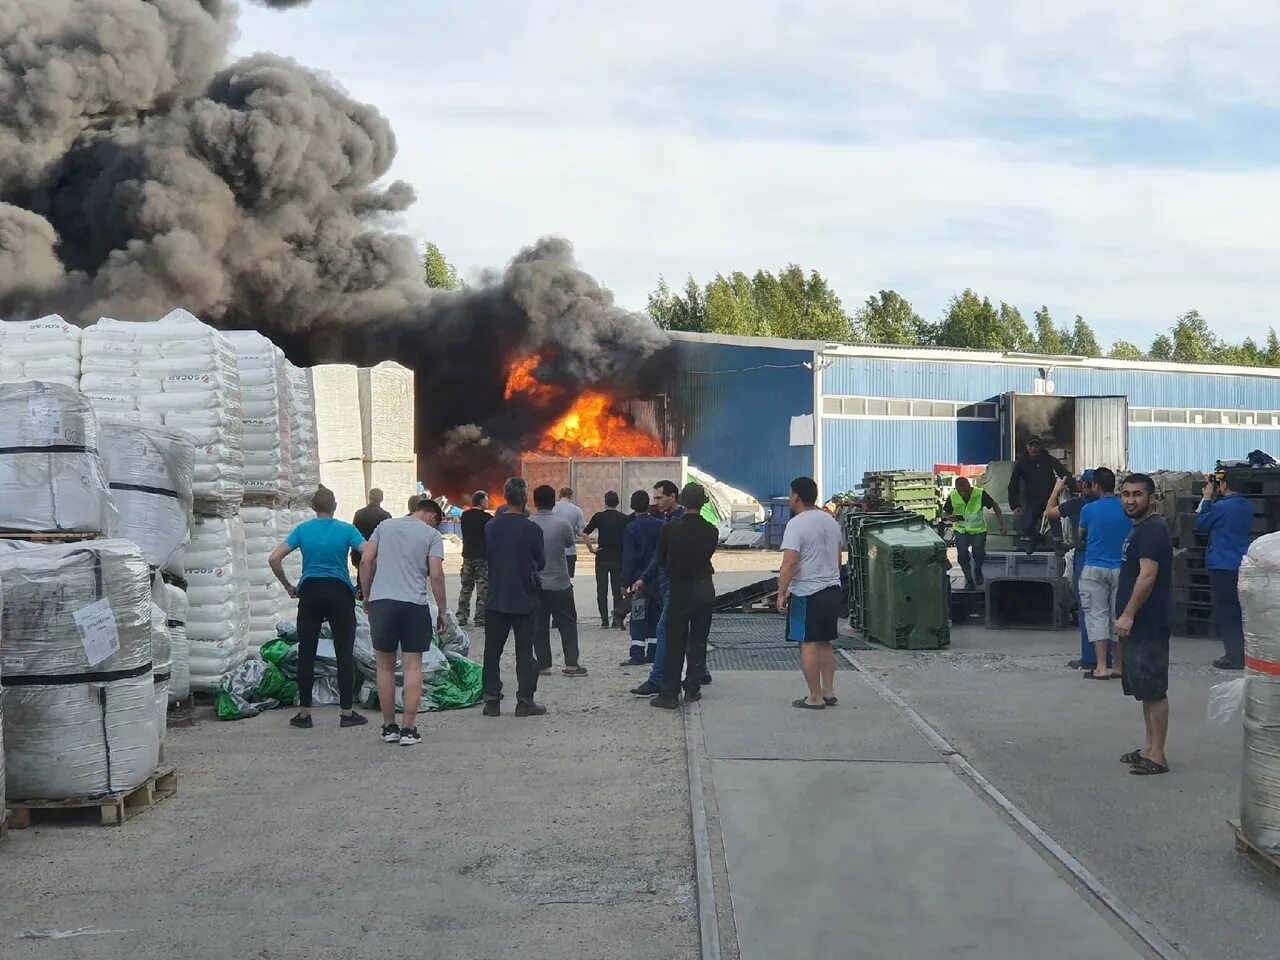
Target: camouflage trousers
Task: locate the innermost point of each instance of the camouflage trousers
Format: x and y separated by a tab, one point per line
475	577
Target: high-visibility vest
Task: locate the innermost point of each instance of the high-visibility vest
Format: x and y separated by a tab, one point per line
972	519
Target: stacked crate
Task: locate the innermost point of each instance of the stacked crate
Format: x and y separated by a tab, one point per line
899	591
902	490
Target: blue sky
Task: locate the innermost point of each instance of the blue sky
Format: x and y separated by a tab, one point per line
1121	161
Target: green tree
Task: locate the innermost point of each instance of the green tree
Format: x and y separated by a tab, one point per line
1049	339
1014	334
731	306
1124	350
1083	342
438	271
1272	355
971	321
1193	341
676	311
1161	348
889	317
1246	354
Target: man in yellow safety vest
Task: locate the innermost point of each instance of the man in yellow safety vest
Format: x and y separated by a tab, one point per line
965	508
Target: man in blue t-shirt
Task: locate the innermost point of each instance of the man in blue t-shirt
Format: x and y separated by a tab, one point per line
1102	528
1069	510
1226	515
1142	599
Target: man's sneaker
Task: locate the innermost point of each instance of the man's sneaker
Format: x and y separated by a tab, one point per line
706	677
646	689
302	722
409	736
1222	663
353	719
390	733
492	708
604	624
665	702
462	621
529	709
692	696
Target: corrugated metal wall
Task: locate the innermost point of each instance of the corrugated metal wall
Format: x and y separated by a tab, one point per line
852	447
730	413
1194	448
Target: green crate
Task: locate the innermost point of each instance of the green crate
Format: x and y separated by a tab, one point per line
907	601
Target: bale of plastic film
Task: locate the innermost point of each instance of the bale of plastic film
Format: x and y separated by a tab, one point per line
150	471
51	476
161	666
179	648
80	716
1260	600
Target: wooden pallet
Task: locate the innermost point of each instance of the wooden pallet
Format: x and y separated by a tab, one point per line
183	713
50	536
113	810
1266	863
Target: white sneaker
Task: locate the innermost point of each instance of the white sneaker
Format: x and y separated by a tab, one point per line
409	736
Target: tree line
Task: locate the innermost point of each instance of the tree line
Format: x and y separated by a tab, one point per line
799	305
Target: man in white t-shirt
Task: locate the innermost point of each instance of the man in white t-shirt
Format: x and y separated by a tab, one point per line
572	514
809	591
403	556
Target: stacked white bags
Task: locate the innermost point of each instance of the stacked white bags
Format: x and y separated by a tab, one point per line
150	473
218	600
111	362
161	666
51	477
179	647
266	595
264	387
79	696
47	349
304	458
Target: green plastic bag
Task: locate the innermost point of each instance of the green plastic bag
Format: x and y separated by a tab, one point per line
458	688
274	651
275	685
226	706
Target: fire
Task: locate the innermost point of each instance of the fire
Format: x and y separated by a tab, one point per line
521	380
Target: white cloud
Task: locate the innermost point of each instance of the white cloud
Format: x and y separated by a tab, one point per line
924	153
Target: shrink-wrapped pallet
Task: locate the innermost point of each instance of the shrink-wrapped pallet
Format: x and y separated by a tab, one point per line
150	470
304	458
217	600
266	595
51	476
112	354
161	665
264	401
1260	601
47	349
179	649
80	714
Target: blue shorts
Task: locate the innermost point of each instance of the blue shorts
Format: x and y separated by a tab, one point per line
815	618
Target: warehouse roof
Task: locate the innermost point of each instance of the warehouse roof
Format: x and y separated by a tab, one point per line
965	355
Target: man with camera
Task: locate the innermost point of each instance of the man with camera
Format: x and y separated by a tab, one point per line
1226	515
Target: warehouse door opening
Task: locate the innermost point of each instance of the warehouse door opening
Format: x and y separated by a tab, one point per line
1082	432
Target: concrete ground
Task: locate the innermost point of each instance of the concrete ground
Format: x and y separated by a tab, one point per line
561	836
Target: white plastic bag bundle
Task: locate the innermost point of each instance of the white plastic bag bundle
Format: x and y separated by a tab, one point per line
304	460
112	352
293	562
264	385
150	473
217	600
1260	600
266	595
79	688
47	349
51	477
179	650
161	666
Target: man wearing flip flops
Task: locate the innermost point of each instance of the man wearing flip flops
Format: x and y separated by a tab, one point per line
809	591
1142	599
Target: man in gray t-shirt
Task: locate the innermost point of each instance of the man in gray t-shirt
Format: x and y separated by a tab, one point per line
572	514
401	558
557	586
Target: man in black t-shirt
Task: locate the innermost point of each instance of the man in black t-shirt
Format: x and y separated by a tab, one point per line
475	566
1142	621
609	525
367	519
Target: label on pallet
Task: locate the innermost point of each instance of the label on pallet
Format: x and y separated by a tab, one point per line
46	418
98	633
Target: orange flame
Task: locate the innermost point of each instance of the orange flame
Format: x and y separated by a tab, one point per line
522	381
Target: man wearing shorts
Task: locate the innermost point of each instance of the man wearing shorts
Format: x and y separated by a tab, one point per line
402	556
1102	530
1142	600
809	591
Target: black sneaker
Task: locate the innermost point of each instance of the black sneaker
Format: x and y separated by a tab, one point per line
409	736
646	689
692	696
604	624
706	678
353	719
301	722
633	662
492	708
1222	663
529	709
1079	665
390	733
665	702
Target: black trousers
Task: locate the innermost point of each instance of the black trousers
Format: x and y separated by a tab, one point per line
497	627
557	606
571	561
609	574
688	623
321	600
1227	615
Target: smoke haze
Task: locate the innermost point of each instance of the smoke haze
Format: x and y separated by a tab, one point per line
139	172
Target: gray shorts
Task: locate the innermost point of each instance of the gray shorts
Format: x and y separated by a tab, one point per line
1098	587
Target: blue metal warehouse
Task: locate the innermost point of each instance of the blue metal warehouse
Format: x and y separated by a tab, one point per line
756	412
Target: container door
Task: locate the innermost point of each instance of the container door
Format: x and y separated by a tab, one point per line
1102	433
1008	427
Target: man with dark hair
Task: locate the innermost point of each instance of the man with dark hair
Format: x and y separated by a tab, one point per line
367	518
1069	510
966	505
475	567
1226	515
556	596
1103	528
413	503
685	548
639	544
666	505
809	591
1030	483
572	514
608	525
402	568
514	549
1143	624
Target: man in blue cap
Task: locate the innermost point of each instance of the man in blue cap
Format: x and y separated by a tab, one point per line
1070	510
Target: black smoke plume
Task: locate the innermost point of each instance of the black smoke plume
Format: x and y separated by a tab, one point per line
140	172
